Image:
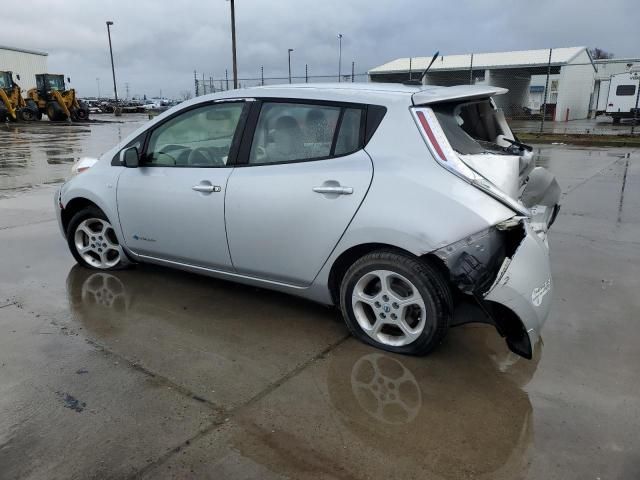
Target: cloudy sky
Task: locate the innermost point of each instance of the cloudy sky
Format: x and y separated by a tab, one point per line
158	44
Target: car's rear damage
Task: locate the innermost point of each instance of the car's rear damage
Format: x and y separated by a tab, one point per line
504	279
502	274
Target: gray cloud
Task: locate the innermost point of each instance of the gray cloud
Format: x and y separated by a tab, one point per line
158	44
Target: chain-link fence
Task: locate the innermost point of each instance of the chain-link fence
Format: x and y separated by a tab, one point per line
208	84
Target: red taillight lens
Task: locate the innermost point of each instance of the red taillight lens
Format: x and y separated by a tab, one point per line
430	135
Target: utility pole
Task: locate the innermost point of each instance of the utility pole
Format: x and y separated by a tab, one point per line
339	57
289	53
353	72
116	110
126	86
98	82
233	46
261	75
546	89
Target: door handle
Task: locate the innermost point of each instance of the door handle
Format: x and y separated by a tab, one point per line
206	188
334	190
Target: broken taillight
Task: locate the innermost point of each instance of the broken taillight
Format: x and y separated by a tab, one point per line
446	156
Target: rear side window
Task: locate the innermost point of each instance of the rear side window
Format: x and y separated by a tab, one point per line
473	127
293	132
625	90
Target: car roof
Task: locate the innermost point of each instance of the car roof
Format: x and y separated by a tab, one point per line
370	92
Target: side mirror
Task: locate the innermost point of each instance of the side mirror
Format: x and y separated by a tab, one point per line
18	77
68	80
129	157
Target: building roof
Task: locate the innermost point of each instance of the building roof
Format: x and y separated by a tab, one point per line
520	58
24	50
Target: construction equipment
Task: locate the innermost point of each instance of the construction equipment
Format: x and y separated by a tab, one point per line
12	106
55	101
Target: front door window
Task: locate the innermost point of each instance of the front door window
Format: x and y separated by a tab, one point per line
200	137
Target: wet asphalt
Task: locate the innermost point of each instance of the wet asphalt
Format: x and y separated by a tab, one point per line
152	373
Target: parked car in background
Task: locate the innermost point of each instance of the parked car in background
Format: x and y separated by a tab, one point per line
411	208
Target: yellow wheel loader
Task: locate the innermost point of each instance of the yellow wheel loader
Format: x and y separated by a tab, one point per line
51	98
12	106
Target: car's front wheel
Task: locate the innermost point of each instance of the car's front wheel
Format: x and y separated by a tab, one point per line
396	302
93	242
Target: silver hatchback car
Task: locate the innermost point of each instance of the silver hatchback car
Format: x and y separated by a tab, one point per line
411	208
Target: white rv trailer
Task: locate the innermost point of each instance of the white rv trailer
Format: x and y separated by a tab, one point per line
622	99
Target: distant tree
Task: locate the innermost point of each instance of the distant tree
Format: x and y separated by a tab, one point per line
186	95
598	53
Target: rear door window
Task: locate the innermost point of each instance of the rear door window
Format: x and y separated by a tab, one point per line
294	132
348	140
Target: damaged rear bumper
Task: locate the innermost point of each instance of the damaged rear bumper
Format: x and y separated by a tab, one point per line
525	287
505	275
505	271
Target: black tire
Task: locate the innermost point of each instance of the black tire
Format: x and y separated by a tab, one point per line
616	120
76	220
431	285
83	112
80	114
3	114
55	113
27	115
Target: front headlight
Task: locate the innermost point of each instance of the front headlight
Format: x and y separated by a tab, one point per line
446	156
85	163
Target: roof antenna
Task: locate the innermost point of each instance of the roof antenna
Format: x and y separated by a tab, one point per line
419	81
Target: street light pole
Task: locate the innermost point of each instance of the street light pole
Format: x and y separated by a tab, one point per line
233	44
289	52
113	70
339	57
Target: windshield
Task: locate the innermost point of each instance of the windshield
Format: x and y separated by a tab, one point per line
5	80
55	82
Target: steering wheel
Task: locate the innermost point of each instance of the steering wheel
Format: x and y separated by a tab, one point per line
200	156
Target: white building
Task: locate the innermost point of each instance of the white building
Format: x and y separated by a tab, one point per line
571	80
25	63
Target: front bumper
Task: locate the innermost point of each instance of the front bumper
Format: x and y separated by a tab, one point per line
524	284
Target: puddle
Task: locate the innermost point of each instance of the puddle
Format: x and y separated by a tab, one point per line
40	152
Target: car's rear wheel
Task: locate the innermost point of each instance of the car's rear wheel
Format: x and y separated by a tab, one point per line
396	302
93	241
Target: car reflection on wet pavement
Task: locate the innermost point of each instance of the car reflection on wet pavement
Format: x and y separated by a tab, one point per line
464	413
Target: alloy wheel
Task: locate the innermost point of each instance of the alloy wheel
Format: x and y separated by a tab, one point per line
97	244
389	308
